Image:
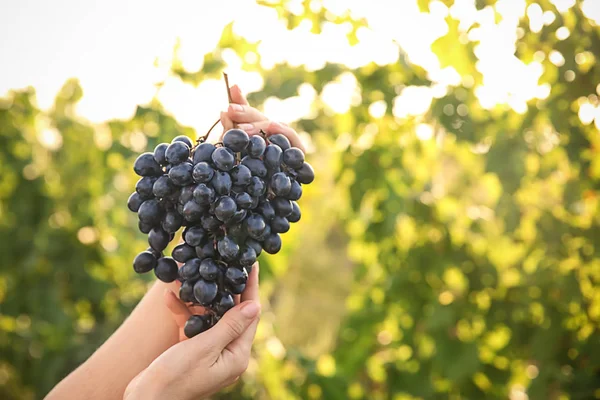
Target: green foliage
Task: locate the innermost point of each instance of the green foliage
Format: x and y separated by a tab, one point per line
475	253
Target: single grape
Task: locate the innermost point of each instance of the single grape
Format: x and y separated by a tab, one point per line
209	270
265	233
186	291
206	250
203	152
266	210
157	254
243	200
295	191
240	175
280	184
172	221
205	292
177	152
202	172
224	304
305	174
293	157
282	206
296	214
256	166
183	252
221	182
247	256
146	165
144	262
255	202
144	228
144	187
256	187
236	140
195	325
235	276
272	243
203	194
158	239
190	270
280	225
255	245
134	202
181	175
223	159
150	212
280	140
210	223
192	211
183	139
228	248
256	146
159	154
166	269
186	194
163	187
194	235
237	289
225	208
255	225
273	157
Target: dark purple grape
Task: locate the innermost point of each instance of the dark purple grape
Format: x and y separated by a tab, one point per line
206	250
177	152
224	304
204	195
186	292
159	154
146	165
237	289
236	231
280	184
181	175
243	200
221	182
305	174
255	202
134	202
265	233
295	191
183	139
255	225
195	325
158	239
236	140
144	262
255	245
225	208
280	140
256	187
150	212
223	159
280	225
273	157
194	235
235	276
296	214
183	252
186	194
266	210
205	292
172	221
209	270
192	211
202	172
238	217
282	206
256	166
210	223
163	187
203	152
190	270
144	228
228	248
166	269
247	256
240	175
144	187
256	146
157	254
293	157
272	243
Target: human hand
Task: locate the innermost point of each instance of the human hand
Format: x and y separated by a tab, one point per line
208	362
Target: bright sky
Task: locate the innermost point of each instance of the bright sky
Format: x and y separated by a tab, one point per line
111	46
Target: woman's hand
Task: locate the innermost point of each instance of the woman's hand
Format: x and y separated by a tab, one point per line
200	366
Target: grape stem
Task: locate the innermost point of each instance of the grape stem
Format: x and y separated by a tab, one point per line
203	138
228	92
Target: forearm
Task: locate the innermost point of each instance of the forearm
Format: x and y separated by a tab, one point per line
147	333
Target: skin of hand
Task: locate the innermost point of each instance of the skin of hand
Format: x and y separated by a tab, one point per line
198	367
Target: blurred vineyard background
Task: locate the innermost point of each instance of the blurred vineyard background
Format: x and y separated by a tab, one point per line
450	247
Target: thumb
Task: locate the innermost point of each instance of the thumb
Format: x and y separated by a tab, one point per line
233	324
237	96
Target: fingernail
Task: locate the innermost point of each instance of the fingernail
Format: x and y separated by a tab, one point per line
246	127
249	309
236	107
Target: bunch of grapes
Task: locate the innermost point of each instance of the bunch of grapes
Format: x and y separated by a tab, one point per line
233	199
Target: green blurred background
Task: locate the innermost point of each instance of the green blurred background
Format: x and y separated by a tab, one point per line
449	248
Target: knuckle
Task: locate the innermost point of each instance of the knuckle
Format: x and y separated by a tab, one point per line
234	327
